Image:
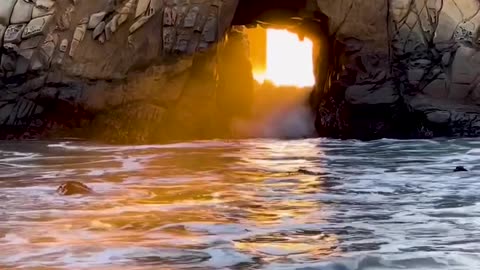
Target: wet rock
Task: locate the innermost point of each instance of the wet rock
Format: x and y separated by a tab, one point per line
460	169
73	188
6	9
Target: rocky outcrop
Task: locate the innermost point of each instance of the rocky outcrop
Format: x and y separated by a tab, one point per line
418	77
152	70
126	71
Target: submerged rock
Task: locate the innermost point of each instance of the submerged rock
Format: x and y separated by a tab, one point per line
73	188
460	169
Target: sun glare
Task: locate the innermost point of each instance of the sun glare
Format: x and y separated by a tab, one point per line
289	60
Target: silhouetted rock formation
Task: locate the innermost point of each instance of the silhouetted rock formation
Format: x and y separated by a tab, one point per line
460	169
73	188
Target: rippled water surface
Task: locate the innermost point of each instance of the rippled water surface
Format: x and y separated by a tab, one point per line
253	204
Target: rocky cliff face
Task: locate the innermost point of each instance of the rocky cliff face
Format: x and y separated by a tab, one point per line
408	68
134	70
151	70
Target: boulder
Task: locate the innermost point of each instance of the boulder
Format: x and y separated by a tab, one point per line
96	19
6	9
73	188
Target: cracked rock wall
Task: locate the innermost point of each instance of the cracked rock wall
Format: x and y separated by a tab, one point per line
117	67
436	59
406	68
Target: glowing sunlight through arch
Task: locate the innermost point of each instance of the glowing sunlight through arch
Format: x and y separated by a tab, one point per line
289	60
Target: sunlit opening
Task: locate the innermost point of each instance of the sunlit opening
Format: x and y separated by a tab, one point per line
289	60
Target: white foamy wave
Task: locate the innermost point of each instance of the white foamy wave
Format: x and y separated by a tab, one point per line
108	149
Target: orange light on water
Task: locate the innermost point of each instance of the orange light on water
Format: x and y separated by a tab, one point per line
289	60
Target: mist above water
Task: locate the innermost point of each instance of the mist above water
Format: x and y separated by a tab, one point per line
278	112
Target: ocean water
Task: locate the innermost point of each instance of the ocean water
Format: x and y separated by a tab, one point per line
242	204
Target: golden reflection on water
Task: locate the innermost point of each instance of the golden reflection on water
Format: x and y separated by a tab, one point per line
182	198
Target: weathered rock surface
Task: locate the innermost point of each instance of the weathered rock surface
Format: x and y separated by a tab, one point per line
73	188
430	53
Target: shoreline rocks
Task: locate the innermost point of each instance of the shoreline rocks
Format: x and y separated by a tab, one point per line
73	188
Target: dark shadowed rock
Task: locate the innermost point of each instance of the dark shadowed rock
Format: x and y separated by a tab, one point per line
73	188
460	169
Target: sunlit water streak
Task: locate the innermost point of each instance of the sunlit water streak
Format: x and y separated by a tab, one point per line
252	204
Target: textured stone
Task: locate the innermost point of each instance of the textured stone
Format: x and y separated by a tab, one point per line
101	38
169	16
44	4
122	18
183	38
65	19
36	26
169	37
63	45
96	19
13	34
157	5
43	8
459	91
463	70
2	33
139	23
209	33
98	30
48	48
6	9
114	23
142	6
8	62
439	117
5	112
31	43
436	89
22	13
73	47
23	62
415	75
191	17
371	94
108	31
